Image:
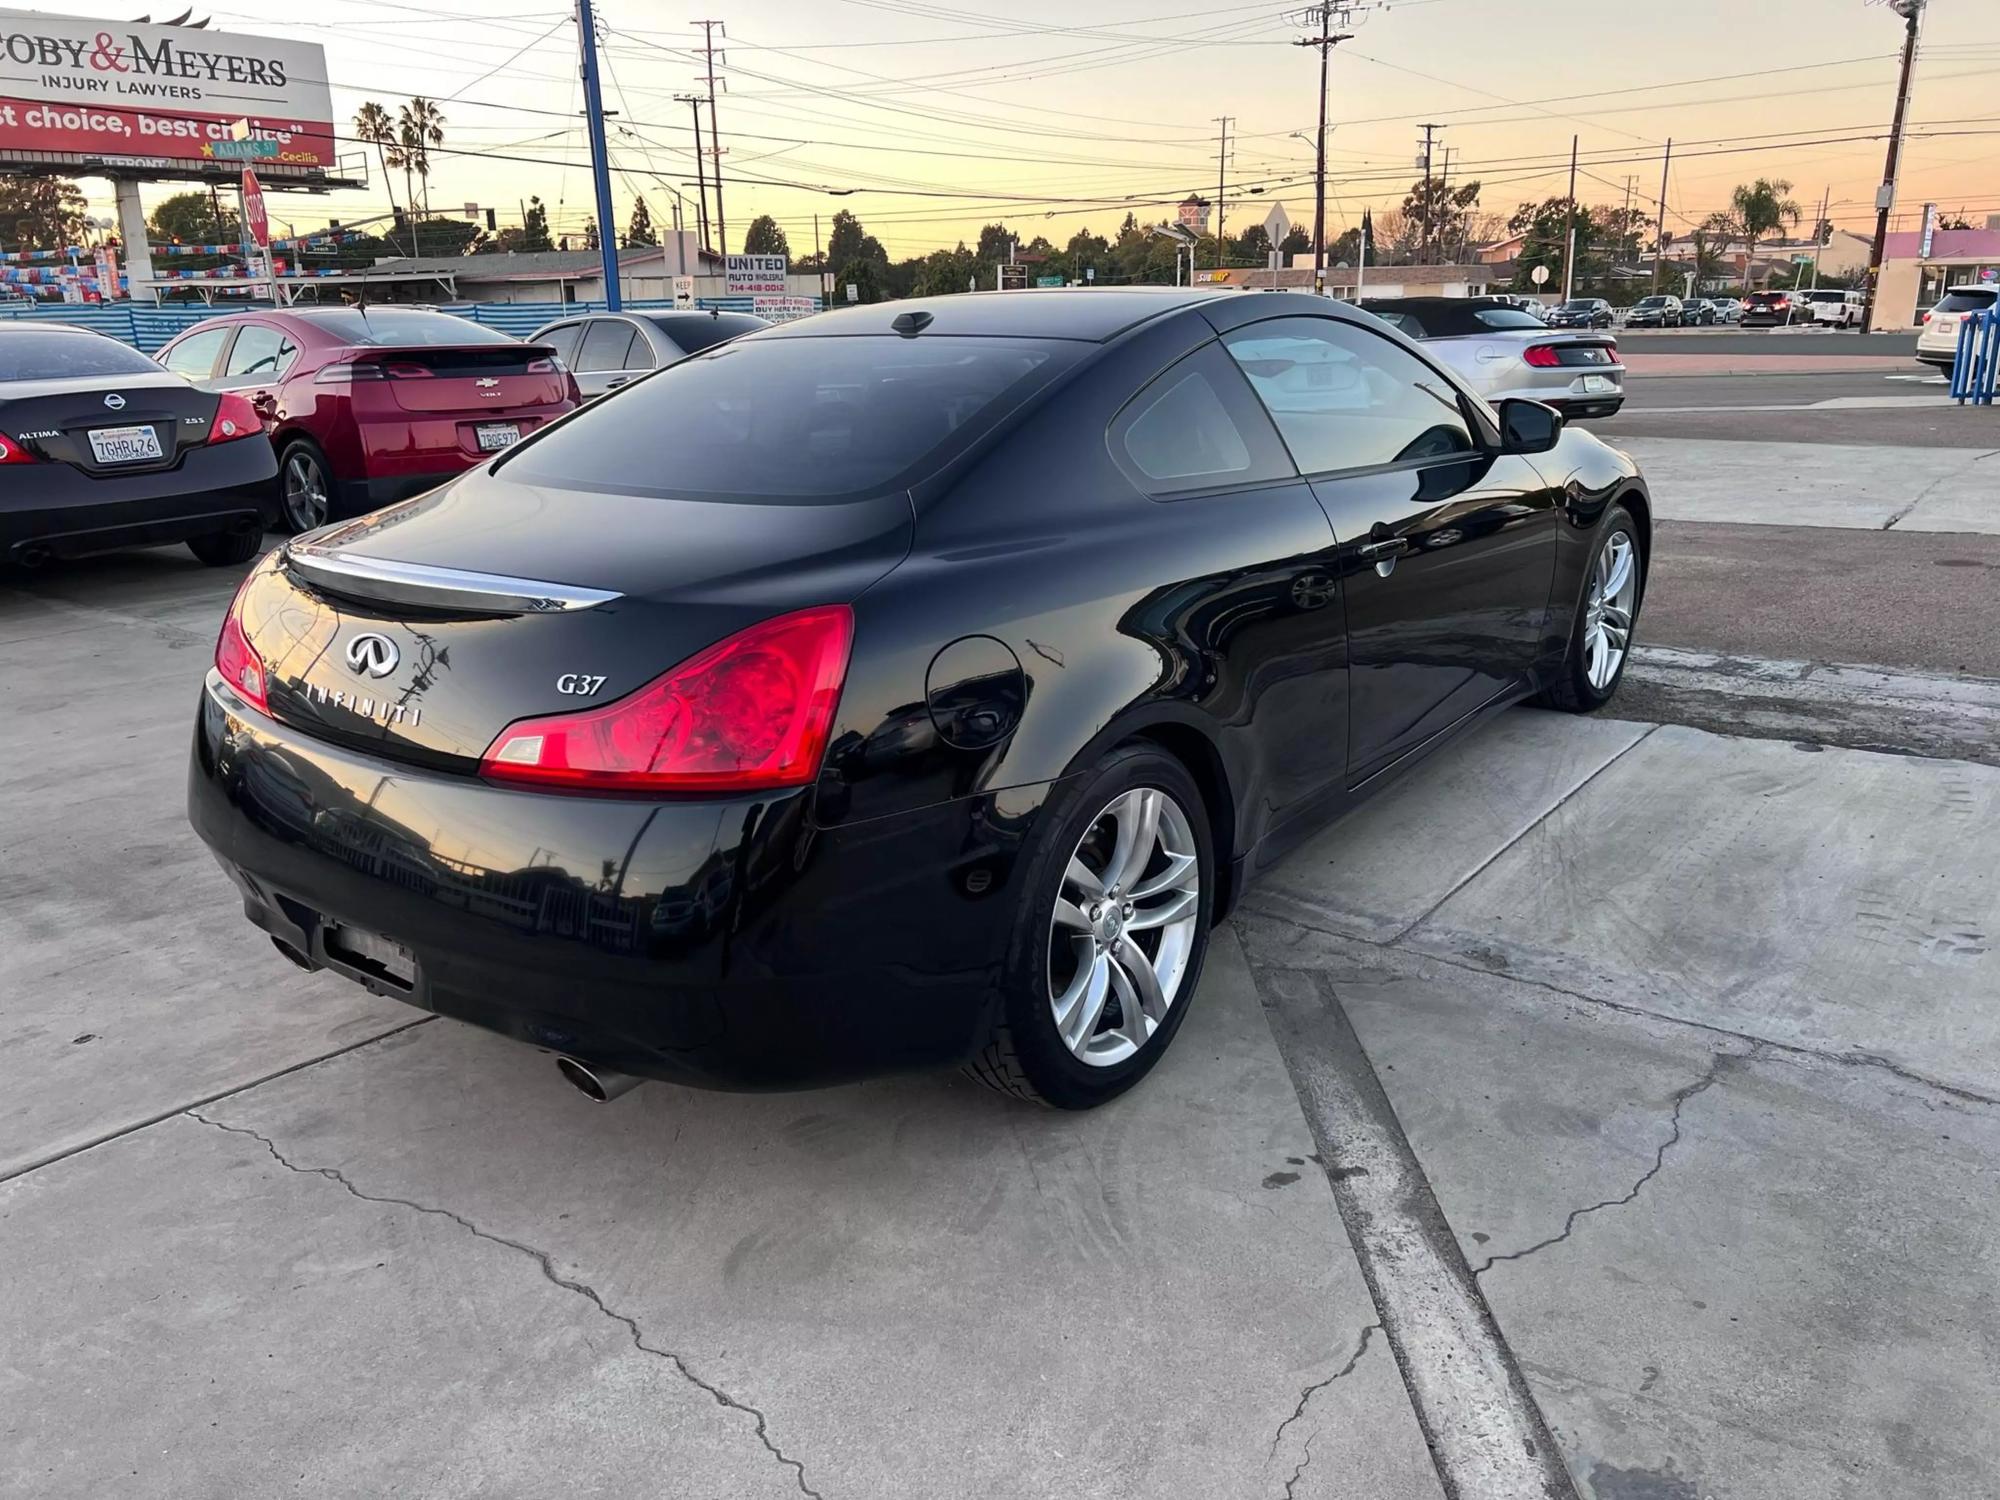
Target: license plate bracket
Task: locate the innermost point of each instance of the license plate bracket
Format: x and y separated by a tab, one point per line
125	445
492	437
1598	385
371	953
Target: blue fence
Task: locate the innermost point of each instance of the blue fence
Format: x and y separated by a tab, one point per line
1976	370
148	328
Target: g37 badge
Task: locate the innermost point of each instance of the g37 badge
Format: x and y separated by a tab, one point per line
578	684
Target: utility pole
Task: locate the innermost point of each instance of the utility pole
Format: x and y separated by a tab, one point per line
600	158
1912	12
693	102
714	130
1326	41
1569	254
1426	200
1660	249
1221	158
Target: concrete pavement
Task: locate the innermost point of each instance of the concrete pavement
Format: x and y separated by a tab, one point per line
1688	1041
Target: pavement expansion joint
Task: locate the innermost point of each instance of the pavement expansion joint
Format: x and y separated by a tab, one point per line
546	1262
1708	1079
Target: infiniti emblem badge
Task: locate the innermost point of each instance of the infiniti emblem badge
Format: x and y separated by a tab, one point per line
372	655
115	401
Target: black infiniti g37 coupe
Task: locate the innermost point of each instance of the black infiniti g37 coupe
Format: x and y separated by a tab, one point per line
101	448
910	685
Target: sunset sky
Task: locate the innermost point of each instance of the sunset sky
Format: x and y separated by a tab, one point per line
941	118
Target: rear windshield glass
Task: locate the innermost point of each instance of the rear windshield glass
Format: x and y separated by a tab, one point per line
697	333
793	419
402	328
1580	304
1766	299
68	356
1652	302
1446	320
1968	299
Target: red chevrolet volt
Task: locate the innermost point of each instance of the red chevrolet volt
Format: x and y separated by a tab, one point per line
366	405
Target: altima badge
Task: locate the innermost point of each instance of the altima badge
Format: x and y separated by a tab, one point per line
372	655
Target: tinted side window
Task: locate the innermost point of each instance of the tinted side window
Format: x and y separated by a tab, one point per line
194	356
260	351
606	341
639	356
562	340
1196	428
1345	398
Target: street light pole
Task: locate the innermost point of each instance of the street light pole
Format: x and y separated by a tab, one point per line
1912	12
600	157
1569	253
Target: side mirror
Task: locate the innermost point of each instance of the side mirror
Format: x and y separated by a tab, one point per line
1528	426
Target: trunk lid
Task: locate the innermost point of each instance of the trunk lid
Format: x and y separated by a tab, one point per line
55	419
489	601
473	380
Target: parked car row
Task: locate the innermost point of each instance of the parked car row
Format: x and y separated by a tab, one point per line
352	408
1504	352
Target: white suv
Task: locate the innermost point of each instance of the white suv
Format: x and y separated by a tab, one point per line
1832	305
1937	344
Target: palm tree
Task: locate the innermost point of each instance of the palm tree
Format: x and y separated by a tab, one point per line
419	126
373	125
1760	208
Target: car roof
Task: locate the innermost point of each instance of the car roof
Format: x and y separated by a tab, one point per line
1085	313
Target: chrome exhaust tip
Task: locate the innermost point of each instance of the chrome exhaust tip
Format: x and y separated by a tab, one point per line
594	1082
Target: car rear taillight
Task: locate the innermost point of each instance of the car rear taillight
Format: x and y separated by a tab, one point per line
234	418
1542	356
1927	317
544	367
12	452
750	713
347	371
236	659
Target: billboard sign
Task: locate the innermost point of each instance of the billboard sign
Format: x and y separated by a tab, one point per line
139	95
1928	239
755	276
784	309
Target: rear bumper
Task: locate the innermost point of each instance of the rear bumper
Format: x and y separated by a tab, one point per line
725	944
1570	398
56	510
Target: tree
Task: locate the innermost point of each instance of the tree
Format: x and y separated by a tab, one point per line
1254	245
1545	230
764	237
1297	242
590	241
41	213
373	126
1086	252
1759	208
847	241
861	273
530	237
640	230
419	127
1439	213
995	243
1945	221
191	219
946	271
1345	251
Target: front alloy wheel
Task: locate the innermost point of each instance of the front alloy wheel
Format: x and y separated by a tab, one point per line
1123	927
1607	621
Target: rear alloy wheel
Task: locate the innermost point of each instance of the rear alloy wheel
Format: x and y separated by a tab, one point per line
304	489
1601	641
1107	955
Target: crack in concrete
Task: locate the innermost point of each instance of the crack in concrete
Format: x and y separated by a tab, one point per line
546	1262
1300	1472
1852	1058
1925	493
1709	1078
1314	1389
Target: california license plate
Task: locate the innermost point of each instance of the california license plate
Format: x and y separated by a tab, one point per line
493	436
1597	385
125	445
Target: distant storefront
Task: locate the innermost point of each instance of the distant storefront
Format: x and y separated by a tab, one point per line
1912	282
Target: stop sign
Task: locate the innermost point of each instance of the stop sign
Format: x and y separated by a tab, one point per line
253	210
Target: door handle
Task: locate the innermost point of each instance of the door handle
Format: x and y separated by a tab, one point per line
1394	546
620	380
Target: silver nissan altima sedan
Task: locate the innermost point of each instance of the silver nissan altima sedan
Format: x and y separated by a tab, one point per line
1503	352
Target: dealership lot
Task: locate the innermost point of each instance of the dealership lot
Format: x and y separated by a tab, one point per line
1688	1036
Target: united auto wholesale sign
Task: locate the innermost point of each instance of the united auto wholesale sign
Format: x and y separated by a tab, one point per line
754	275
131	94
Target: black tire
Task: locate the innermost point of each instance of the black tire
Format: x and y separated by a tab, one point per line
298	459
225	549
1572	691
1023	1054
